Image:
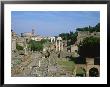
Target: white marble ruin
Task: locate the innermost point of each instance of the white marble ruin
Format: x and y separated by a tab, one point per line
59	44
52	39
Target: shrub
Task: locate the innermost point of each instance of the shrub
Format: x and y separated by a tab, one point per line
18	47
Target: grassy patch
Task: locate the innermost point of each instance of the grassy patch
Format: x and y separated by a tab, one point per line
67	65
80	71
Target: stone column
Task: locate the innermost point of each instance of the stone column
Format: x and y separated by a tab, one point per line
26	49
51	39
62	46
54	39
56	45
59	45
13	44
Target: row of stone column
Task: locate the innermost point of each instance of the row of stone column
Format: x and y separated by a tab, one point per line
59	45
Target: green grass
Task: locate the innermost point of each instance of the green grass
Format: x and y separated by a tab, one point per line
80	71
67	65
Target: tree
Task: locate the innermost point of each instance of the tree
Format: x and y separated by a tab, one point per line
90	47
97	27
90	29
18	47
70	37
73	37
44	41
35	45
64	36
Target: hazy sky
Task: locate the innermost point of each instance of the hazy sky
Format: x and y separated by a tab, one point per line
51	23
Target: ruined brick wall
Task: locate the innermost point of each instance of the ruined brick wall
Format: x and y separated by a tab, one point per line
84	34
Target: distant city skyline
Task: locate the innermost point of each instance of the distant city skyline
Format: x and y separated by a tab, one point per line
52	23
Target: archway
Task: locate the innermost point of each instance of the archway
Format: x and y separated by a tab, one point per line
93	72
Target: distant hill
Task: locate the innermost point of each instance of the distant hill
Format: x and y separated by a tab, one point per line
90	29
